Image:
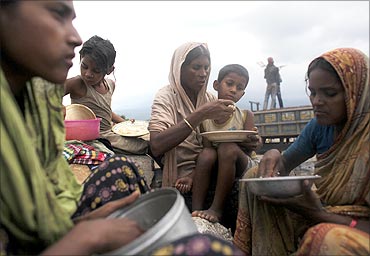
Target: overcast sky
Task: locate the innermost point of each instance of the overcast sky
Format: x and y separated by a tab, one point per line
145	35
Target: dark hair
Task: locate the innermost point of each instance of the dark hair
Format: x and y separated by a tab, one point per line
323	64
232	68
5	3
9	5
101	51
195	53
320	63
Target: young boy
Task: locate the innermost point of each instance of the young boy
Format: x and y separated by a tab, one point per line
232	158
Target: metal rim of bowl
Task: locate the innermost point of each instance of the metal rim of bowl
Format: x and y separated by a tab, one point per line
153	234
281	178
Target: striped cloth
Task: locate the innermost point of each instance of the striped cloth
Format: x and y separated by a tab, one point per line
81	153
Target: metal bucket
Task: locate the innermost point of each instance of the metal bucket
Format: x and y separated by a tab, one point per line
164	216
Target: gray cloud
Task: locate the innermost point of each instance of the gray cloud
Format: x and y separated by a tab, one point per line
145	34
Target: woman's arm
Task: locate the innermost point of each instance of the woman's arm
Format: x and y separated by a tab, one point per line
309	206
161	142
165	140
303	148
93	233
273	163
96	236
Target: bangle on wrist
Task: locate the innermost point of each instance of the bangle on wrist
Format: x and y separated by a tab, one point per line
353	223
188	124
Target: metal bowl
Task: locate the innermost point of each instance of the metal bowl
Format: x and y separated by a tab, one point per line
164	217
281	186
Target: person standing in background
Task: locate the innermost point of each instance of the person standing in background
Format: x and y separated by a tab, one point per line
278	93
272	77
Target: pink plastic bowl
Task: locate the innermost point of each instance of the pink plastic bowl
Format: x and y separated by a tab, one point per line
82	129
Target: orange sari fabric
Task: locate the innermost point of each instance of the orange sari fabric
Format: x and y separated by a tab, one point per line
263	229
333	239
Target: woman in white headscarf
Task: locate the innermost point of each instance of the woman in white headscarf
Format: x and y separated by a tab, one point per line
177	111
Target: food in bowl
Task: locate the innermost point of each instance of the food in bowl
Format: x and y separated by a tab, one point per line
130	128
281	186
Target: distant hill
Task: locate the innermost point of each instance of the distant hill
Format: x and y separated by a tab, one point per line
138	113
143	112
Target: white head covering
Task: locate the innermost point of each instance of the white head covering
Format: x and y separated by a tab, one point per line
174	77
172	104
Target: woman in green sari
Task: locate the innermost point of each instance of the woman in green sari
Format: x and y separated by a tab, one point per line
338	212
42	207
38	192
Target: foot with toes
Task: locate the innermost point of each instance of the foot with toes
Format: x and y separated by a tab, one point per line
210	215
184	184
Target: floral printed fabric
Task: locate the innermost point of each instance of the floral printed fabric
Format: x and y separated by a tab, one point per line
201	244
115	178
334	239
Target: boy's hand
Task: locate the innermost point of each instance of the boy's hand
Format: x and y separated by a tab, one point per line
251	143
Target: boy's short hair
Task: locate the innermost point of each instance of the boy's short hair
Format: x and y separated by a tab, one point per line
232	68
101	51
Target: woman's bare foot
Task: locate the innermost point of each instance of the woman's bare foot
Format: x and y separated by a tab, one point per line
184	184
209	215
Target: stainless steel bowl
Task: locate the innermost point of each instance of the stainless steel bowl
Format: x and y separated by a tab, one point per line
281	186
164	216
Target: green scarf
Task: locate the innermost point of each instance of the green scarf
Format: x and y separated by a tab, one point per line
39	192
